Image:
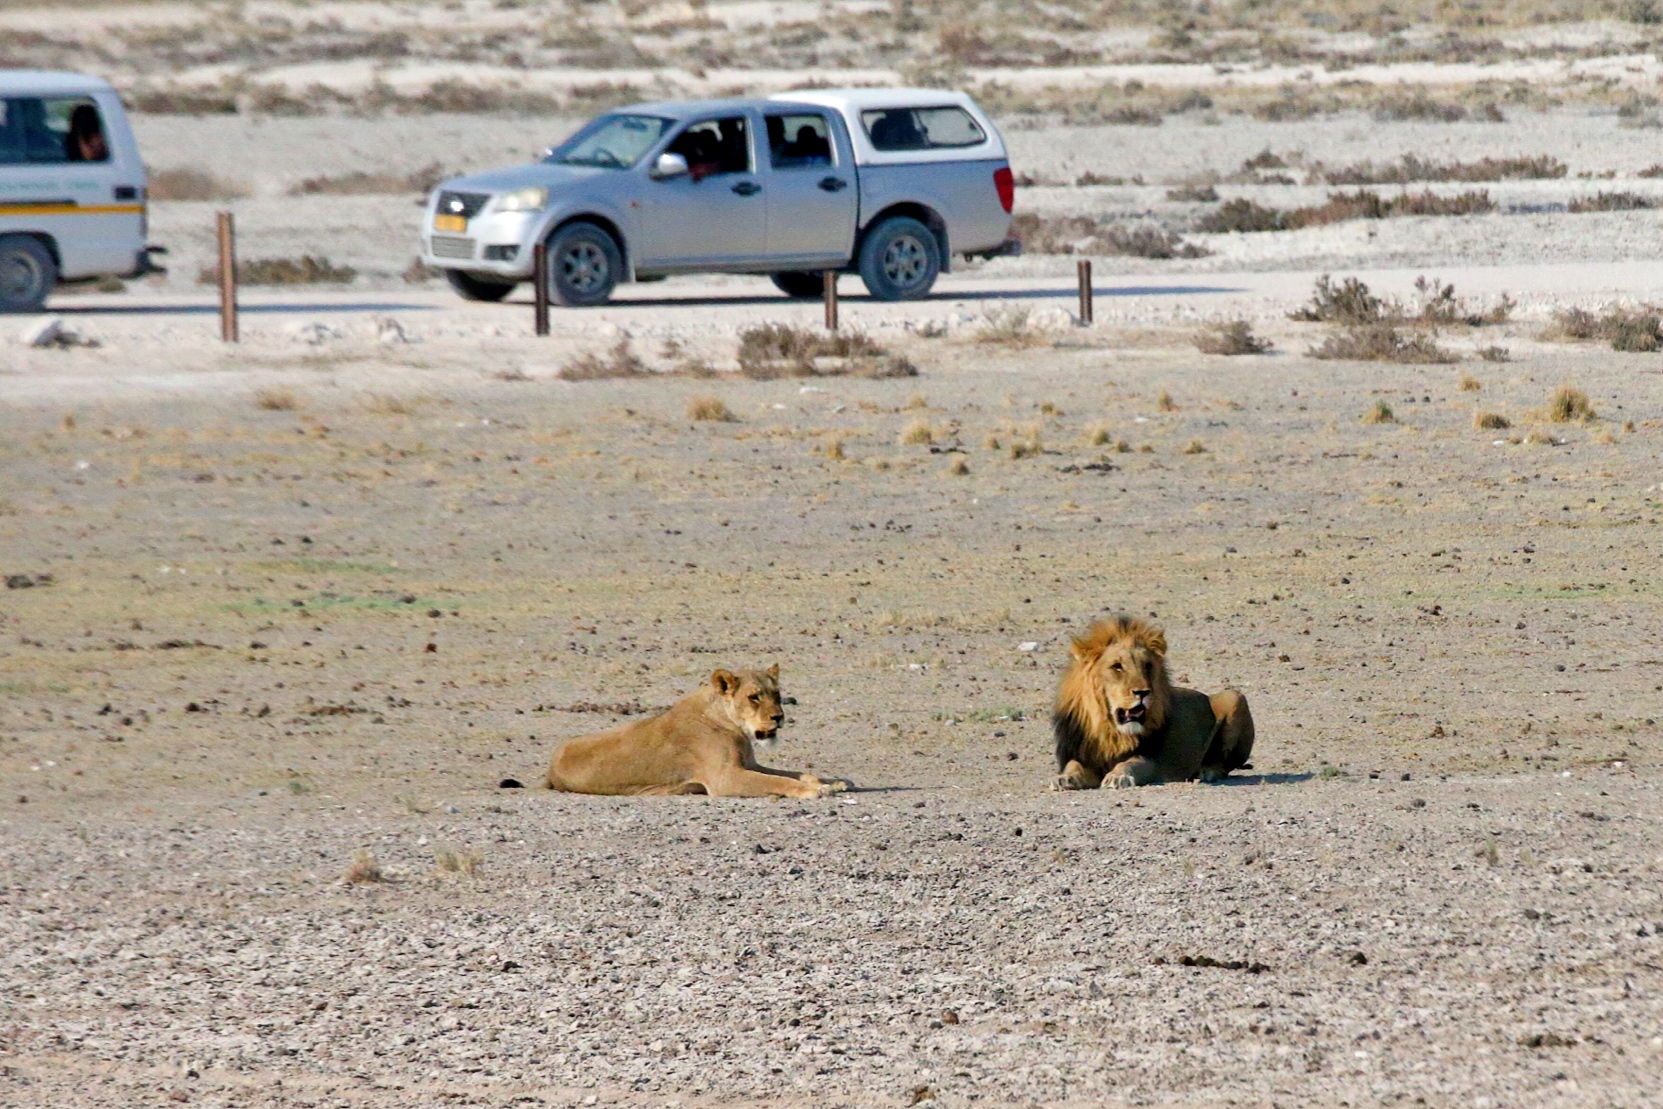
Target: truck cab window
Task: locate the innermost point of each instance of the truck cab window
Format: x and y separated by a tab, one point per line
51	130
799	141
714	147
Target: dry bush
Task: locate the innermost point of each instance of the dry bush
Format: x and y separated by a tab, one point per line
1087	235
1638	329
455	860
1007	325
1420	105
1121	446
1611	202
1381	342
620	361
1240	215
1379	413
1493	353
1536	437
1349	302
276	400
709	408
915	403
1193	194
1091	177
1097	435
363	869
1470	384
1230	337
917	433
360	183
1490	421
1028	443
381	404
959	468
776	350
308	269
192	184
1165	402
1195	446
1248	216
834	450
1570	405
1414	168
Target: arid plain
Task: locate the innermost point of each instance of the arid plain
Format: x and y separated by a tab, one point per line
281	617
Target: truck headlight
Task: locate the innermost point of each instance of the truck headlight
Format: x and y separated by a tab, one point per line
523	200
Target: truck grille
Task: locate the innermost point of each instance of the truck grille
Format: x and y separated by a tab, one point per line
466	205
448	246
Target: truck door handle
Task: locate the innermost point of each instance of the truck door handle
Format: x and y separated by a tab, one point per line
833	184
747	188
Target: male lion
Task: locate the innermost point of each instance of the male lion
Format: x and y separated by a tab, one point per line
702	745
1120	723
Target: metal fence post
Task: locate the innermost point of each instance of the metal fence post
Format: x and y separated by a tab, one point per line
540	287
227	279
830	277
1083	268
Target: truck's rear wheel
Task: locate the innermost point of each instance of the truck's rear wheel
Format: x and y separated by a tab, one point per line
804	286
584	266
27	273
900	259
469	287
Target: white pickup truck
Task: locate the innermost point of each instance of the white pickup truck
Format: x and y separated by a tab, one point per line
886	183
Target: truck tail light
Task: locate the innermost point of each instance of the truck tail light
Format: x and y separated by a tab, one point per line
1006	184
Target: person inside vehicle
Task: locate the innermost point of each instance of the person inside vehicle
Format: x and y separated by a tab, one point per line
85	140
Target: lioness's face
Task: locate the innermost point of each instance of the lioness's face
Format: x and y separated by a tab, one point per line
753	700
1126	674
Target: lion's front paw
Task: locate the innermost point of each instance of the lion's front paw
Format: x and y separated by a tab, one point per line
1120	781
1211	774
1064	782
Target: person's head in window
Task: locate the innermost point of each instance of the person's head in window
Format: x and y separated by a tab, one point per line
85	140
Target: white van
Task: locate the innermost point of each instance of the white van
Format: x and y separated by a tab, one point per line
72	203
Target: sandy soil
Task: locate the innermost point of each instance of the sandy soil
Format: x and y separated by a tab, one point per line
273	638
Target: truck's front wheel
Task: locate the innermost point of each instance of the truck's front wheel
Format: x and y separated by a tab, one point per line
469	287
584	266
900	259
27	273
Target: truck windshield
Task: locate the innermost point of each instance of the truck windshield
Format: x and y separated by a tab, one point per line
612	142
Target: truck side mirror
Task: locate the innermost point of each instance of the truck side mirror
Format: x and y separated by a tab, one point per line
668	166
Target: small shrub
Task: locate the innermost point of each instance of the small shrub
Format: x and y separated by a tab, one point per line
276	400
620	361
308	269
1418	105
775	350
959	467
1490	421
1231	337
1143	242
1379	413
1493	353
1195	446
192	184
1007	325
1611	202
1193	194
359	183
1165	402
834	450
1414	168
1569	405
917	433
709	408
1628	329
1381	342
1470	384
1241	215
1097	435
1349	302
1121	446
1028	445
363	869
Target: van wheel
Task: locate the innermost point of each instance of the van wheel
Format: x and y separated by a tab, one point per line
584	266
27	273
900	259
469	287
804	286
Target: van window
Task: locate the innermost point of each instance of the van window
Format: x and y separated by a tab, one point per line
51	130
714	146
799	141
921	128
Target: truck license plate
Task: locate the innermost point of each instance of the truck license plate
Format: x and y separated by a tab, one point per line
450	223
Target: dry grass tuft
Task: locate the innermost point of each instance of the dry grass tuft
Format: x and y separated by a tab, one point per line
1414	168
1379	413
620	361
1121	446
1493	353
1165	402
359	183
834	450
917	433
1195	446
1611	202
1490	421
363	869
1007	325
1248	216
454	860
1349	302
915	403
1230	338
308	269
1470	384
709	408
380	404
1028	444
1569	405
1536	437
192	184
1097	435
777	350
959	468
276	400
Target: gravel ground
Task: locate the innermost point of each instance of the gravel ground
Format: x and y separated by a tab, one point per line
286	628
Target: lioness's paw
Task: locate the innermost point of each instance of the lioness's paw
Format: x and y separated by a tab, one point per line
826	789
1120	781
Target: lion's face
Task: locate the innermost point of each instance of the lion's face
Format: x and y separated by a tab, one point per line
752	700
1125	662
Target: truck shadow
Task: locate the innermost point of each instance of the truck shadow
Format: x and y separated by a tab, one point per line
60	309
1070	295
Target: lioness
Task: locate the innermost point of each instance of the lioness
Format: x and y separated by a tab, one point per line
702	745
1120	723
